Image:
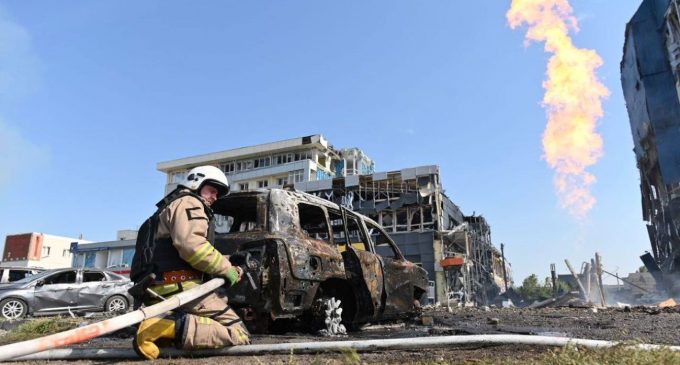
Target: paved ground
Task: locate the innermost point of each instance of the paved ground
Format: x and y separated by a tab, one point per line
651	325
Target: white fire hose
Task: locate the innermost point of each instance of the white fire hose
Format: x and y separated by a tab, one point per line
44	348
326	346
91	331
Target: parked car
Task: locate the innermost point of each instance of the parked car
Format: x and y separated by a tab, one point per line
303	253
11	274
63	291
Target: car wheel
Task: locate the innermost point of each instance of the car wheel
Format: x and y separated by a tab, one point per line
12	308
116	304
327	313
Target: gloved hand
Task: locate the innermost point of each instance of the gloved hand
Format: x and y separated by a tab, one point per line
233	275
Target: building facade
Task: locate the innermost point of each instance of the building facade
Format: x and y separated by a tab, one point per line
115	255
650	78
275	164
38	250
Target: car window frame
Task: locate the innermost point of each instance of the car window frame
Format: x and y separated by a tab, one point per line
398	254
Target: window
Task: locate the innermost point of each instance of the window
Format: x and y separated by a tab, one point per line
243	186
383	245
313	221
284	158
66	277
356	234
65	253
91	276
128	253
262	183
262	162
228	167
15	275
282	181
45	251
179	177
238	214
296	176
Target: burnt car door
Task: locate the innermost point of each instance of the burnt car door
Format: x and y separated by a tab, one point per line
362	267
93	289
56	292
398	273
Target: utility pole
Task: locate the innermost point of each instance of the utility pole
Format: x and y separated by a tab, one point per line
505	274
553	275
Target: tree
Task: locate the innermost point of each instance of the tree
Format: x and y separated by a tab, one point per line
532	290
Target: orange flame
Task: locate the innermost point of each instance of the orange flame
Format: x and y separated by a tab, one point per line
573	99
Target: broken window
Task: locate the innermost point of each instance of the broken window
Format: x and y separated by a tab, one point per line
237	214
93	276
383	245
66	277
281	181
313	221
262	183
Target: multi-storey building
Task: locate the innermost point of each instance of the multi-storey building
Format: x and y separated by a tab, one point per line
650	77
38	250
275	164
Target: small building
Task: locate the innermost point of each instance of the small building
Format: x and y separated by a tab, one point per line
115	255
38	250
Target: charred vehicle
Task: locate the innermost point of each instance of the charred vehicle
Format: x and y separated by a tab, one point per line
302	254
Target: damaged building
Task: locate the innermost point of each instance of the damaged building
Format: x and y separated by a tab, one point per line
650	81
463	265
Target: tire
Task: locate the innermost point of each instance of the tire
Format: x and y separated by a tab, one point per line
116	304
13	308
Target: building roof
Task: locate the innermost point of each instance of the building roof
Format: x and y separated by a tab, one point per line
317	140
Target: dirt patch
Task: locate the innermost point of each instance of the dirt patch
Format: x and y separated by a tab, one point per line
649	325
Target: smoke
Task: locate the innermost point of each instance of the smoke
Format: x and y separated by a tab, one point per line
573	100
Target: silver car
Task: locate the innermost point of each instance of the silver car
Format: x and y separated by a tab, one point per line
65	291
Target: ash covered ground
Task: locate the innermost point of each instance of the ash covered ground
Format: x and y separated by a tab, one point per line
644	324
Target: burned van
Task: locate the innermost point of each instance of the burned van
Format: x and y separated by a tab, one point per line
304	254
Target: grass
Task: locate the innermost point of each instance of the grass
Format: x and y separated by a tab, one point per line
35	328
619	355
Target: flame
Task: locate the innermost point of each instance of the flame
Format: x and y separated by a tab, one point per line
573	99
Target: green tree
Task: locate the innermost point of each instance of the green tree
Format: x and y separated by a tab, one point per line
532	290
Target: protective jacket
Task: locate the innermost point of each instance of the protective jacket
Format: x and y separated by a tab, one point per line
183	238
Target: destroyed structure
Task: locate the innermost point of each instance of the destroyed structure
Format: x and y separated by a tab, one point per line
650	80
463	265
428	227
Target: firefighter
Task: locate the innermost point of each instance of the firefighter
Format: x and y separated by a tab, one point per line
183	255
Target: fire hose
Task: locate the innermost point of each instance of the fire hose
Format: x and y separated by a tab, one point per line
44	348
326	346
93	330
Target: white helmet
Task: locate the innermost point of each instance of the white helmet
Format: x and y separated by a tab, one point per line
198	176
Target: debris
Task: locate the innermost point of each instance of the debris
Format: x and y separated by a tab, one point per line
427	320
493	321
485	308
668	303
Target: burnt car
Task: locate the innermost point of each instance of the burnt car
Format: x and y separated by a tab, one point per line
65	291
302	254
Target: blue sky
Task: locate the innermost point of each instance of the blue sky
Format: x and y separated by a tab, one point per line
94	94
